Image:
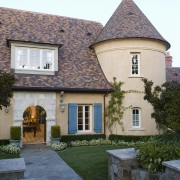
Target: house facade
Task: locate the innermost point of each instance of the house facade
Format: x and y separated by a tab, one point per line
64	69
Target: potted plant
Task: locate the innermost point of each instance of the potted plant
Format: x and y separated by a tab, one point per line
55	133
15	134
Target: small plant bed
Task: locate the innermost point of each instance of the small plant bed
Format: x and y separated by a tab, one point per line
90	162
4	155
9	151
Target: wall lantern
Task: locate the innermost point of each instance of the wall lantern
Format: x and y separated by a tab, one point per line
62	104
6	109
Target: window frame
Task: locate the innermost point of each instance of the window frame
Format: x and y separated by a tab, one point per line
131	64
41	48
90	118
132	116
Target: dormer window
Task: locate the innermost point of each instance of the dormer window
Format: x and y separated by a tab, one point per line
135	64
34	59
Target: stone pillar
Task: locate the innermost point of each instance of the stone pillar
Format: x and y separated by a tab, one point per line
172	171
121	162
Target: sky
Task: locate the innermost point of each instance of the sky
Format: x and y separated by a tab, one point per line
163	14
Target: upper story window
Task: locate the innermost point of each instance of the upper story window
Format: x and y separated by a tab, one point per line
135	64
34	59
136	118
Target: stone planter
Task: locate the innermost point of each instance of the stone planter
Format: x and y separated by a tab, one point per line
15	142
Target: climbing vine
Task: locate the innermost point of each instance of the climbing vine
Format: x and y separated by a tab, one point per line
115	110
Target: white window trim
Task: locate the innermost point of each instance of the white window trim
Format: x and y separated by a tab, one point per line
136	127
139	65
90	124
52	48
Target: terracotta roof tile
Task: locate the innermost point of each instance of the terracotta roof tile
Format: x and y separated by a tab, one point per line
78	65
128	21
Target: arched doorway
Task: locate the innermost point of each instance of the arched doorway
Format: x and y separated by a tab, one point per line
34	125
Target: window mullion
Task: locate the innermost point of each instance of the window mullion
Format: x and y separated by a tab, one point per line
83	118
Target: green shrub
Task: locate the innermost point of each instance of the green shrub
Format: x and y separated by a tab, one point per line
10	149
87	137
114	137
15	132
4	142
59	146
153	152
55	131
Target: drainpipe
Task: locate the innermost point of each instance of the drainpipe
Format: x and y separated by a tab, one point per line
104	112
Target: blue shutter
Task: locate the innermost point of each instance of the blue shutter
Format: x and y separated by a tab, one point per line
98	117
72	118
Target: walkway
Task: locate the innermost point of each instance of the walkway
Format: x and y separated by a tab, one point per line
43	163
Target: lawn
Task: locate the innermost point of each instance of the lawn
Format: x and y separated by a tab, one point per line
90	162
4	155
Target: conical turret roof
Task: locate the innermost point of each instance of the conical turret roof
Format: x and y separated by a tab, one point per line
128	21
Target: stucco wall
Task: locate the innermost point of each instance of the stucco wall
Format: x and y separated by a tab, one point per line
50	102
5	123
115	59
78	98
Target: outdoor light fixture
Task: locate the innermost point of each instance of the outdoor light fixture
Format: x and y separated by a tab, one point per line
62	104
6	109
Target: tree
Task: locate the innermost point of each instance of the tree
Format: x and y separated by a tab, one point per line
165	100
7	81
115	110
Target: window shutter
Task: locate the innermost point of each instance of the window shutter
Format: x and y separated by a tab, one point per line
72	118
98	117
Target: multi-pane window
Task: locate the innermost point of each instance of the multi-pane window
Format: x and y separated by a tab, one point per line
34	58
136	117
84	118
135	64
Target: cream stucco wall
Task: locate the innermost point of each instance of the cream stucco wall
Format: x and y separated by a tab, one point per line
50	102
6	122
77	98
115	59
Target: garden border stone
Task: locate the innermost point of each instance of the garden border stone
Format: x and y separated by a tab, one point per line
12	169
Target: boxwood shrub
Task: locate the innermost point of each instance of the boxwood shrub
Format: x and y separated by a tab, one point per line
55	131
4	142
15	132
87	137
114	137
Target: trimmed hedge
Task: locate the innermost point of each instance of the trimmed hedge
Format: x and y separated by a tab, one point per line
15	132
55	131
114	137
87	137
4	142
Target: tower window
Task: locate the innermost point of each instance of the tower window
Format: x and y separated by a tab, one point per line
135	117
135	64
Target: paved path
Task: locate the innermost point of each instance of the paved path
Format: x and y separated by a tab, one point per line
43	163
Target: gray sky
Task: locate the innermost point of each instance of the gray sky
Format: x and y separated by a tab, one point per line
164	14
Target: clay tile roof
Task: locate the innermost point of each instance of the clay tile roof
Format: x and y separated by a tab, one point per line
78	66
128	21
173	74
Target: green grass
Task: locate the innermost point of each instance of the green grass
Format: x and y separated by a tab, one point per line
4	155
90	162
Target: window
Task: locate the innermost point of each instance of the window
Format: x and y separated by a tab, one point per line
84	118
135	64
80	118
136	117
34	59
